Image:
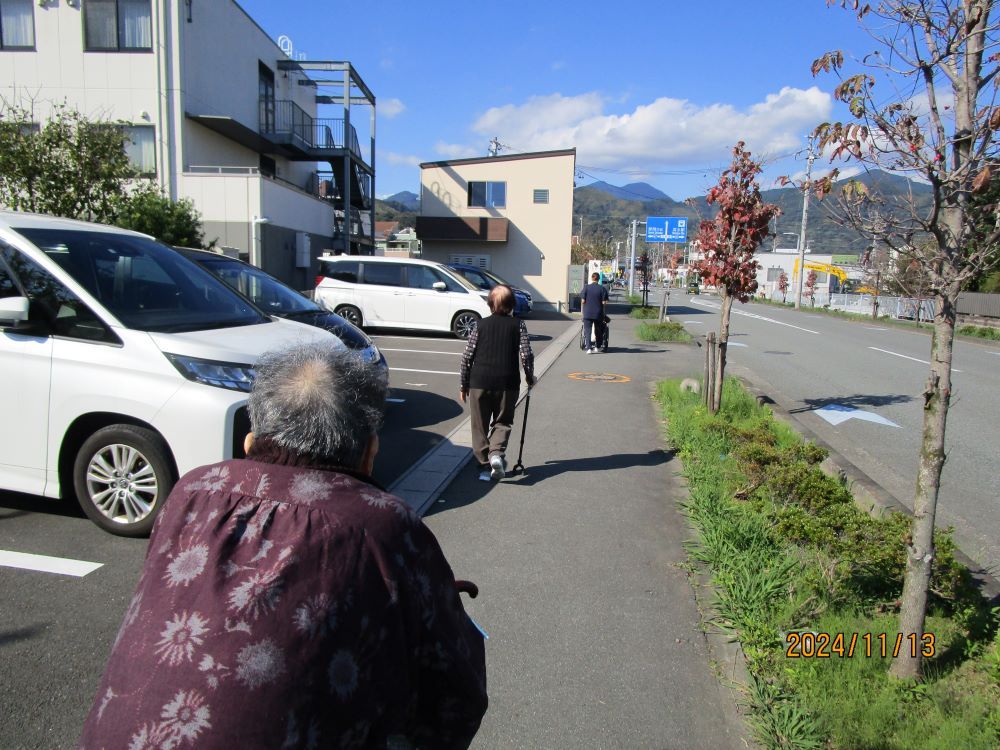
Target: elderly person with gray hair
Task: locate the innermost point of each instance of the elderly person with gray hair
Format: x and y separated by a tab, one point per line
286	600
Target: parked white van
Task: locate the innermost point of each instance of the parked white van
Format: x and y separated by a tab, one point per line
122	366
399	293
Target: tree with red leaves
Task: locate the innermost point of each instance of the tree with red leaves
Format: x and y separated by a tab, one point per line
783	286
728	243
811	288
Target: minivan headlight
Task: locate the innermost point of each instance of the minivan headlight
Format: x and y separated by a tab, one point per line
235	376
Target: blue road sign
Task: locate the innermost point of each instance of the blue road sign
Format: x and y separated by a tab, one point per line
666	229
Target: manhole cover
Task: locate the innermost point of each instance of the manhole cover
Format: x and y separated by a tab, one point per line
600	377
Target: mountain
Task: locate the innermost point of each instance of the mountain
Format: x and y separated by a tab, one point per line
641	191
606	213
409	201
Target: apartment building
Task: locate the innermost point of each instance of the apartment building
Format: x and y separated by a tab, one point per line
510	214
266	146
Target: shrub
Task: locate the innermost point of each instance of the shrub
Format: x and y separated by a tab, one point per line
644	313
662	332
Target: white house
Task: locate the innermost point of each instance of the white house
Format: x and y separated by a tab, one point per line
510	214
219	114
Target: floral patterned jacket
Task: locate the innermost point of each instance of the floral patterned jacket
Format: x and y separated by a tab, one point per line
290	607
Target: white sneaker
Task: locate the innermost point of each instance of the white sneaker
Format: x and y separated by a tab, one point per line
590	351
496	466
484	476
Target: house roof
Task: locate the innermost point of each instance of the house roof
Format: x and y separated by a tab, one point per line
506	157
384	228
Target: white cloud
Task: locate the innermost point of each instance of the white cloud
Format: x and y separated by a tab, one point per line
404	159
458	151
390	107
660	134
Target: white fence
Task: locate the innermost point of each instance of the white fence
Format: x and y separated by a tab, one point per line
904	308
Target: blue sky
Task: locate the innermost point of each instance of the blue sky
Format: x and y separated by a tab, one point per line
641	89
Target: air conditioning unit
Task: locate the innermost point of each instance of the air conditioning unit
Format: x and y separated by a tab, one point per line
303	246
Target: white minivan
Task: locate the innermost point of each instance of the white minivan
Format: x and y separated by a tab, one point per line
399	293
123	365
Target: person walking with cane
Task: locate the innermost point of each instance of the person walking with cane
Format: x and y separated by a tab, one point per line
593	302
491	379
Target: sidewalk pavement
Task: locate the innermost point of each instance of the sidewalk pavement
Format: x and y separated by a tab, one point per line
594	629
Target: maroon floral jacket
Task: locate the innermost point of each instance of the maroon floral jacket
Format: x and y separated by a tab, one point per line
290	607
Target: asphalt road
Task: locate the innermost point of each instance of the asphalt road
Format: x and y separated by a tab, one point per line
56	630
807	361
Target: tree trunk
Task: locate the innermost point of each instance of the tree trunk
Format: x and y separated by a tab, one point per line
920	548
720	363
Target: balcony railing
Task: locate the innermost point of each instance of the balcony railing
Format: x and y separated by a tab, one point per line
327	185
286	122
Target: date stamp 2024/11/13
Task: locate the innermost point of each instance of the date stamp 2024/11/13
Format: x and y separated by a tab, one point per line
808	645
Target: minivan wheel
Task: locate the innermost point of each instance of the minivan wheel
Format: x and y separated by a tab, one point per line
349	313
122	474
463	324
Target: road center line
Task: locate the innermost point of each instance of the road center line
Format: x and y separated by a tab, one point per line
432	372
46	564
419	351
756	316
905	356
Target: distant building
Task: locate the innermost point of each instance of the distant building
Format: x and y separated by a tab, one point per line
394	242
510	214
219	114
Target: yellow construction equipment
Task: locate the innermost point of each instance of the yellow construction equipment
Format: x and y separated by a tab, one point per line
812	265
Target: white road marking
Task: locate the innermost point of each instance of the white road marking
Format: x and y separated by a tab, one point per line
697	322
756	316
419	351
835	414
736	343
420	338
870	328
904	356
431	372
418	385
396	400
46	564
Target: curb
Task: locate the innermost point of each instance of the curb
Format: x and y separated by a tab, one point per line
868	494
422	484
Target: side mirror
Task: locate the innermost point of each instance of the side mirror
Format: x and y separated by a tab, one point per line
13	310
440	286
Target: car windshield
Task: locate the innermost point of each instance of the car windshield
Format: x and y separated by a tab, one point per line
458	277
265	291
146	285
493	277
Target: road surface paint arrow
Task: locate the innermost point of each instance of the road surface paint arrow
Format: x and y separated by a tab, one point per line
46	564
836	414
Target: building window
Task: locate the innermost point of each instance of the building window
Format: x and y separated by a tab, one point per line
17	24
541	196
111	25
774	273
488	194
141	148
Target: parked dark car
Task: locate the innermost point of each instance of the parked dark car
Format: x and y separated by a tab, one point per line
276	298
486	280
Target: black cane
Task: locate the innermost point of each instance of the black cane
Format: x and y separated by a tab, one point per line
519	466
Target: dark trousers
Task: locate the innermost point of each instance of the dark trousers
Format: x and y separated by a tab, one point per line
492	414
598	328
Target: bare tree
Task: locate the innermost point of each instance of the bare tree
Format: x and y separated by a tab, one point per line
939	59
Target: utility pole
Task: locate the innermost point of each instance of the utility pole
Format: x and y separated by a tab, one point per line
805	222
631	265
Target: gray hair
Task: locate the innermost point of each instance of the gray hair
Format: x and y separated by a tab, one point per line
319	400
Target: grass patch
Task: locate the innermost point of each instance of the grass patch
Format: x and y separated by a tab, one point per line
980	332
644	313
790	552
661	332
634	299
